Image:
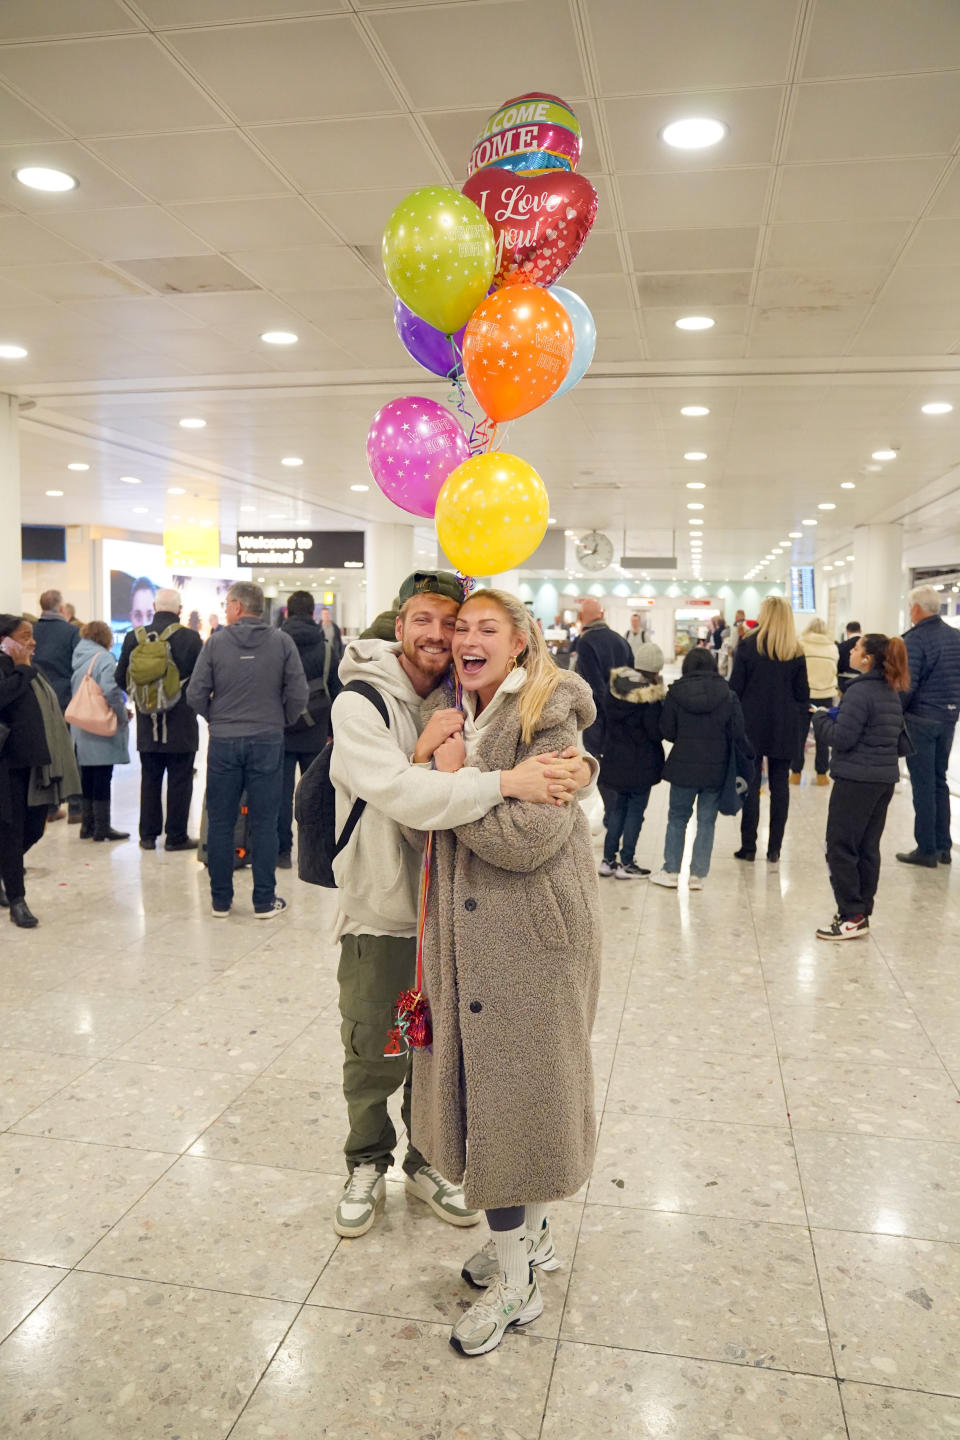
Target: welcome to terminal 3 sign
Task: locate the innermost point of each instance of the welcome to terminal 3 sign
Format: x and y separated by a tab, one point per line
306	549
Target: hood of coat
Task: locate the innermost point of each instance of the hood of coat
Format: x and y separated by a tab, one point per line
86	651
248	633
700	694
376	662
306	634
820	646
572	695
634	688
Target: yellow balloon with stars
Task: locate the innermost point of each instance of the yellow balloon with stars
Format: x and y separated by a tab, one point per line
492	514
439	256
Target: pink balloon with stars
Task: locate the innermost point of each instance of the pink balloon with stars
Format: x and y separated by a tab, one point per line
412	446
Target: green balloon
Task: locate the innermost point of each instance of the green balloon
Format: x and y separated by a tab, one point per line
439	256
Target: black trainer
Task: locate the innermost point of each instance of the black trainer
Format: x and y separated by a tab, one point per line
945	857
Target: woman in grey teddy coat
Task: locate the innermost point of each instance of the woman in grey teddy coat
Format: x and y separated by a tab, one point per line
504	1100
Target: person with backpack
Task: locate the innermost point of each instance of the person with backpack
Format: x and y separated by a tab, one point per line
633	757
308	734
702	717
380	768
155	665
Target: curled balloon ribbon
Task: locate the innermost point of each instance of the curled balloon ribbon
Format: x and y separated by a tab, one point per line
482	432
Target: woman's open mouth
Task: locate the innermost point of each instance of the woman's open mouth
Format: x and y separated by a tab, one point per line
472	664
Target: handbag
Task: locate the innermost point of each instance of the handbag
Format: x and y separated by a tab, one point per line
88	709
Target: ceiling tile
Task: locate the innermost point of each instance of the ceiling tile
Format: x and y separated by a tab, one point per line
360	215
948	201
72	282
188	274
205	165
599	256
827	244
727	197
672	346
137	316
455	133
860	37
729	320
810	320
138	86
614	349
935	242
305	267
616	323
927	342
162	14
335	154
32	20
292	70
17	298
659	45
605	292
22	242
332	305
97	186
924	284
898	115
254	308
700	290
256	224
733	249
817	287
535	39
634	126
19	123
865	190
138	233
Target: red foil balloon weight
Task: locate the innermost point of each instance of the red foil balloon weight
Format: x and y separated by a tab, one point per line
413	1020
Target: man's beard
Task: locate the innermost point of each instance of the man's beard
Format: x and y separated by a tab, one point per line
432	666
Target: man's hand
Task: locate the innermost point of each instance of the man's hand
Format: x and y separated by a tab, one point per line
571	765
529	781
441	725
451	755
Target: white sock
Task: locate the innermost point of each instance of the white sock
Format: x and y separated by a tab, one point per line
536	1219
512	1255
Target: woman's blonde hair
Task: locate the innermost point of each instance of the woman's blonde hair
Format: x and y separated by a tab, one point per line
543	675
776	630
816	627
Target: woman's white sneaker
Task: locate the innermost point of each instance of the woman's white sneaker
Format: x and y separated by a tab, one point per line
484	1325
483	1267
363	1193
444	1199
665	878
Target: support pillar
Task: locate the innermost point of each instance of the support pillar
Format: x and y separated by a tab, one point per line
878	581
389	559
11	565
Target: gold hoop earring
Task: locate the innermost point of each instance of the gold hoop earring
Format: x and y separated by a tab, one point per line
512	663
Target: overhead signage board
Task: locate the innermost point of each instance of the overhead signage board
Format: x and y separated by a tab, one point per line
802	596
300	549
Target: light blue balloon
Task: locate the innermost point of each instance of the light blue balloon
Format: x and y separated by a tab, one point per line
584	337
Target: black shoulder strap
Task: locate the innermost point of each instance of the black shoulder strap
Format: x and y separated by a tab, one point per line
371	693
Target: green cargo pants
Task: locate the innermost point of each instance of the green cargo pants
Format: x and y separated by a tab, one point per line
373	971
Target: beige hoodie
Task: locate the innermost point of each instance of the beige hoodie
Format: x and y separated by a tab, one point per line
822	656
378	874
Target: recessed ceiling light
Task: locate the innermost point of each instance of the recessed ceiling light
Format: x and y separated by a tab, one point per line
694	410
884	455
12	352
78	465
808	522
293	461
873	468
695	322
692	520
551	521
795	534
248	509
279	337
192	422
695	133
841	563
828	567
176	490
937	407
847	485
694	505
130	480
54	494
360	489
827	505
695	455
696	485
784	543
141	510
569	534
40	177
778	551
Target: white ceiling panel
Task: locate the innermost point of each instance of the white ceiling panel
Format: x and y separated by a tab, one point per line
824	245
360	216
97	184
733	249
298	70
818	286
137	233
139	89
305	267
532	46
203	165
251	307
73	282
634	126
165	14
703	289
689	201
50	19
808	321
20	123
23	242
600	256
865	190
255	224
896	115
660	324
137	316
336	154
948	199
876	37
935	242
322	306
661	45
924	284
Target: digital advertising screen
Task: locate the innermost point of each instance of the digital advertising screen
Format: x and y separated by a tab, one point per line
802	594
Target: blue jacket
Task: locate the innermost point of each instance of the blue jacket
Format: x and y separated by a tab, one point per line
56	641
933	649
864	738
101	749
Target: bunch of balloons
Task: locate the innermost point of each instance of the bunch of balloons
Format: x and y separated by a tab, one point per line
474	275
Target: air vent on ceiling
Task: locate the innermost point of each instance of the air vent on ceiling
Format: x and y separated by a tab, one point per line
648	562
188	274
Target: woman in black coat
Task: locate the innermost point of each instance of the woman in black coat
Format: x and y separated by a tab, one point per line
21	824
632	760
770	677
864	734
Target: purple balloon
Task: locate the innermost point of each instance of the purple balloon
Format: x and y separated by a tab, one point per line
429	347
412	446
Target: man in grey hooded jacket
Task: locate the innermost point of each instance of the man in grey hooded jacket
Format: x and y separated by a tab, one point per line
248	684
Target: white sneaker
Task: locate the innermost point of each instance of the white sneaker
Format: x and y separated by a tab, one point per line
665	878
444	1199
364	1191
483	1267
695	882
220	914
840	929
277	908
607	867
485	1323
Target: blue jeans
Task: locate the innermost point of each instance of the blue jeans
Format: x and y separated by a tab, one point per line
932	740
253	764
681	808
624	820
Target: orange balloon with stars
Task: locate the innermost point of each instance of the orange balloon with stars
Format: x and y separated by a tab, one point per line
517	350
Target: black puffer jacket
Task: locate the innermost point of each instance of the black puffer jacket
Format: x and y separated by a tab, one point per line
865	736
633	752
179	725
311	645
700	715
775	696
27	742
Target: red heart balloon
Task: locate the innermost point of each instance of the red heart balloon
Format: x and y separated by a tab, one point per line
539	221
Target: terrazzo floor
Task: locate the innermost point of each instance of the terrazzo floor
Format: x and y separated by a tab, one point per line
769	1248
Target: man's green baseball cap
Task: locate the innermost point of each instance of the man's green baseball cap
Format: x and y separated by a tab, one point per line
432	582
